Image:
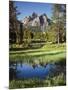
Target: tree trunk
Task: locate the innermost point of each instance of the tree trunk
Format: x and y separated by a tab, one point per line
58	37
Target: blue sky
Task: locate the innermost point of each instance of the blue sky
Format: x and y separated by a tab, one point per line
27	8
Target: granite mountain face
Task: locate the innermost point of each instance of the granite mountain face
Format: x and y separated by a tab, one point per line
41	21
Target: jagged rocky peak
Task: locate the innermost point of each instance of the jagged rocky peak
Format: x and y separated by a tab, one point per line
34	17
36	20
25	20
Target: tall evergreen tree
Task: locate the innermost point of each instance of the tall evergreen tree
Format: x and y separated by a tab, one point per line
13	23
58	18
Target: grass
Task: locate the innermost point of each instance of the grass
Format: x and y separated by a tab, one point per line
46	47
41	58
30	83
48	53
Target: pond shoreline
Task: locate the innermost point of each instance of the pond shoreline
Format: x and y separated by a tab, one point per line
58	79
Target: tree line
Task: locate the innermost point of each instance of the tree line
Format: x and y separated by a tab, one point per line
55	32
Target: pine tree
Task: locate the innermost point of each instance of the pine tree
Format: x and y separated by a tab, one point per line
58	18
13	23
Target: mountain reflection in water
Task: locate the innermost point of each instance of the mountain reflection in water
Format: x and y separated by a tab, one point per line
20	71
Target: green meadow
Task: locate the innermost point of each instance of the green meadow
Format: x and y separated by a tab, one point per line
47	53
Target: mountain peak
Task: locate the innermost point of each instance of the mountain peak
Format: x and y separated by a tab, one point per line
34	20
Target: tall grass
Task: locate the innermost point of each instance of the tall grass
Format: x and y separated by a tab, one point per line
39	58
30	83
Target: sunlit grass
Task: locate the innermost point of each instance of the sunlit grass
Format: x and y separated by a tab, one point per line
48	53
44	57
46	47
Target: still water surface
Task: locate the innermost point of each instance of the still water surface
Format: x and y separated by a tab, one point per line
28	71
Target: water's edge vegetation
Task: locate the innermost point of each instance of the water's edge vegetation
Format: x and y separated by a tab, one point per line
57	57
58	79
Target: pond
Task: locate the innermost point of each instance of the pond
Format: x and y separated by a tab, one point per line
25	71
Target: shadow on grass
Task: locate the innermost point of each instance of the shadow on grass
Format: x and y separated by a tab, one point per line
22	52
28	48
